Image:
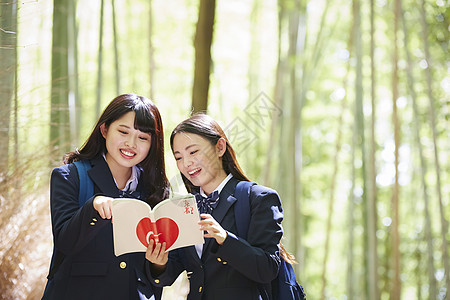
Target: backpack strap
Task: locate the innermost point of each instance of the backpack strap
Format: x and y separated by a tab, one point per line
86	185
242	207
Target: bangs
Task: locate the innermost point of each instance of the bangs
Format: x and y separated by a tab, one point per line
144	119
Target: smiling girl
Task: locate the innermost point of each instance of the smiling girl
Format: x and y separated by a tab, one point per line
126	154
226	266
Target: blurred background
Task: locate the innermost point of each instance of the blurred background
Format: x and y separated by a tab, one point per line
341	106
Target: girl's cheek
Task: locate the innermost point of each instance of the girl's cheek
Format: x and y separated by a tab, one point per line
179	165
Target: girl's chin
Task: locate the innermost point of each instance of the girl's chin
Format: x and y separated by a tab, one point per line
125	162
195	180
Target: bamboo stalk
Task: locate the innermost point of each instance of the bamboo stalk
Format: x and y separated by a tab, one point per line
116	51
396	284
372	274
100	61
444	223
423	168
202	44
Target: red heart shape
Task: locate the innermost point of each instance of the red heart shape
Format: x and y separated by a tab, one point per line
163	230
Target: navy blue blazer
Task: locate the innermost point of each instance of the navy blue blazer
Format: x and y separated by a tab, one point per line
237	268
90	270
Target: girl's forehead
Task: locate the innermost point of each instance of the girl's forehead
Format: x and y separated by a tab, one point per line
183	140
127	117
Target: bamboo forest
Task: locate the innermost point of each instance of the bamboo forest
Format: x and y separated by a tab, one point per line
342	107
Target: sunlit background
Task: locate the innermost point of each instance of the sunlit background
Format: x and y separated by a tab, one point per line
291	83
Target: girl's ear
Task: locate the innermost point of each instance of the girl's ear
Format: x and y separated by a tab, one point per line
103	130
221	147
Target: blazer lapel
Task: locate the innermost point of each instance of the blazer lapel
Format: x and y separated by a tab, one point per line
192	252
226	200
102	177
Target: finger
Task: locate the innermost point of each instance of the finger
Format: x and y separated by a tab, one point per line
105	215
108	210
205	216
101	212
151	254
203	227
208	220
157	249
161	255
105	211
149	251
150	246
163	247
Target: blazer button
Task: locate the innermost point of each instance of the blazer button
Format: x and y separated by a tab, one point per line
224	263
92	223
200	289
123	265
156	280
219	259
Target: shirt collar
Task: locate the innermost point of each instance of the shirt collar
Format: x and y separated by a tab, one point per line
220	187
133	181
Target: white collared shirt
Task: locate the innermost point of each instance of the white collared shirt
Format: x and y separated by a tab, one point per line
199	247
220	187
133	181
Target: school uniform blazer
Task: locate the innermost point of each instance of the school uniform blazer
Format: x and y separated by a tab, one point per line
237	268
90	270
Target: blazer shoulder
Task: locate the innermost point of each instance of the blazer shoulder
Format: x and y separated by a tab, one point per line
70	168
261	190
67	170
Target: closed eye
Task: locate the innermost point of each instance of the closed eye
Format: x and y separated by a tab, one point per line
123	132
193	152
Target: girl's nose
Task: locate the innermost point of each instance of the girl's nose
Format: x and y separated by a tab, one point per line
131	142
187	162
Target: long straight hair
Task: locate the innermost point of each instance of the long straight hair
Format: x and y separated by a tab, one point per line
206	127
148	120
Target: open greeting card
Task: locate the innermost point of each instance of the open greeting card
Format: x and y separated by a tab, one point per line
174	221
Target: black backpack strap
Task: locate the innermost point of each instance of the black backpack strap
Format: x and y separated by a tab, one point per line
242	207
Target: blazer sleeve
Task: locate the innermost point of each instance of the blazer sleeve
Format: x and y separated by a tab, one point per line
174	267
73	227
258	257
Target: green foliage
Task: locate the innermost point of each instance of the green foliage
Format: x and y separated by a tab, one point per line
245	56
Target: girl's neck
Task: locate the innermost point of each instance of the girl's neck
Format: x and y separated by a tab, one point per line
212	185
122	178
121	174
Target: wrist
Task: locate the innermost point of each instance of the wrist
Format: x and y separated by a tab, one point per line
223	238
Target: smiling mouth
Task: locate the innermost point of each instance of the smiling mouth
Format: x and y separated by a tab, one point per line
194	172
127	153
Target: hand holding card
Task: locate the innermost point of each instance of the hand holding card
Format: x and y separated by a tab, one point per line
174	221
